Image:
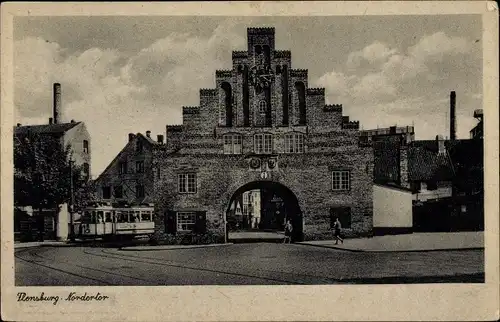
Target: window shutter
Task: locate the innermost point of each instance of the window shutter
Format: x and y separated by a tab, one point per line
171	222
201	222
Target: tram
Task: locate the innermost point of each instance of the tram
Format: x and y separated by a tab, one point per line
109	222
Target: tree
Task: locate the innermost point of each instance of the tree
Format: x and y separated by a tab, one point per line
42	173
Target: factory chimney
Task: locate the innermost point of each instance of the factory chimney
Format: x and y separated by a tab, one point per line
453	122
57	102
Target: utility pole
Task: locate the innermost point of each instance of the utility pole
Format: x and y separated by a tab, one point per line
72	204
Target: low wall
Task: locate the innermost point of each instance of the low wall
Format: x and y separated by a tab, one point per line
392	210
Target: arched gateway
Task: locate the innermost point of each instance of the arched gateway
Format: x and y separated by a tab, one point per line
263	128
264	206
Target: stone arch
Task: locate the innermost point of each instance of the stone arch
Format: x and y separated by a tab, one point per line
228	103
301	93
271	217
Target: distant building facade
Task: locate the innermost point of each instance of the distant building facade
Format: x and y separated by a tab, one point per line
73	135
263	128
128	179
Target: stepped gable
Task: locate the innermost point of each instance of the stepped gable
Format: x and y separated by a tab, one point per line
240	54
333	108
260	30
298	72
315	91
208	92
190	110
282	54
224	73
175	128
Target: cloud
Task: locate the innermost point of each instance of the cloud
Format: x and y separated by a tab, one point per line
438	45
383	86
114	92
375	53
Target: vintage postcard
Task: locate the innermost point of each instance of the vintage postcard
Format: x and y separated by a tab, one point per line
236	161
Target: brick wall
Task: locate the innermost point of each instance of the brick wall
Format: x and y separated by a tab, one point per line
197	146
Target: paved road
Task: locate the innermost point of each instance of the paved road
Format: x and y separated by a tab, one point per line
240	264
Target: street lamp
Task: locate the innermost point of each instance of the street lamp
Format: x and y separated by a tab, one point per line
72	203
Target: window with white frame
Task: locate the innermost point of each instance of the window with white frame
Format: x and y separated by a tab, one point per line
262	107
341	180
232	144
263	143
294	143
187	183
186	221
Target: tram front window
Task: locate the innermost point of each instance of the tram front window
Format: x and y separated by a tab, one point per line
146	216
100	217
108	217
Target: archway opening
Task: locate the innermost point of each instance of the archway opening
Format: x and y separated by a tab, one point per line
264	206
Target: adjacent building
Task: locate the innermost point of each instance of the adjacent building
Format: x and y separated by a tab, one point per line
437	185
262	127
128	179
54	223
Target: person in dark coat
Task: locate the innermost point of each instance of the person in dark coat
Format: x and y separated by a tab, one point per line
337	226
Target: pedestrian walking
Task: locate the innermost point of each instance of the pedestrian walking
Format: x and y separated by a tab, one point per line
337	226
288	232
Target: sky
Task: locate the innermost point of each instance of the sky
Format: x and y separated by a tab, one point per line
124	75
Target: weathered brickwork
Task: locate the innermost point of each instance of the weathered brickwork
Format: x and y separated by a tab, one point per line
262	93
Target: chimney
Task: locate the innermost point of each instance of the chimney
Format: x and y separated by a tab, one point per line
57	102
18	124
131	136
148	134
72	121
453	123
160	138
440	144
51	120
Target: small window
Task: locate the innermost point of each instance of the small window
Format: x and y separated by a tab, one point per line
262	107
85	146
138	146
139	191
122	167
146	216
294	143
186	221
108	217
263	143
118	192
139	167
187	183
232	144
341	180
432	185
106	192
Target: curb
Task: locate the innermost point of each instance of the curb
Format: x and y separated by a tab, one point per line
44	245
392	251
169	247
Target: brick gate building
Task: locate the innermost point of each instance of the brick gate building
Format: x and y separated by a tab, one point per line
263	127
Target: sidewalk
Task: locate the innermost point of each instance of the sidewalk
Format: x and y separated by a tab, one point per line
407	242
44	243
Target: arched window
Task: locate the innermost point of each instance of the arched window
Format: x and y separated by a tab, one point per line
294	143
227	109
301	92
262	107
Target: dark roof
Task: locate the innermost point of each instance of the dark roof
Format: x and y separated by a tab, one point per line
425	165
148	139
45	129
